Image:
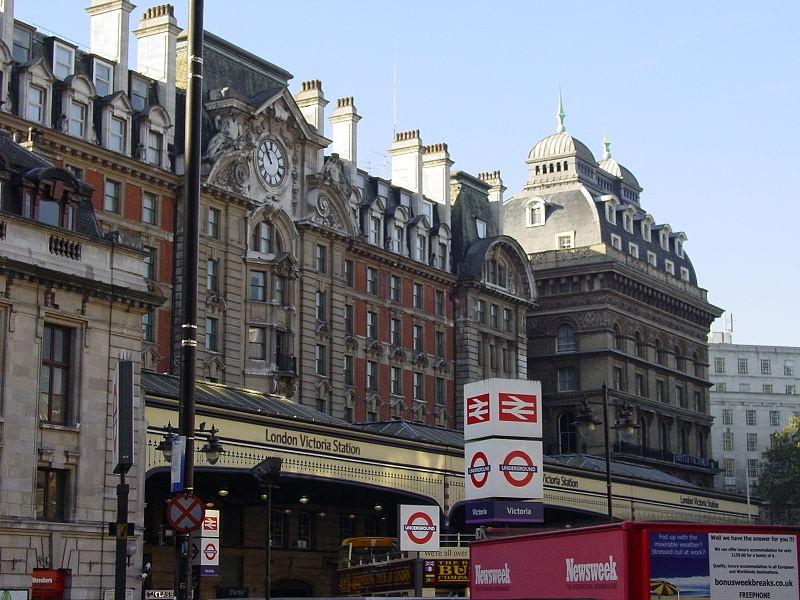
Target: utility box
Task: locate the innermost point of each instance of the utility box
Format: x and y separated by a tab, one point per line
637	561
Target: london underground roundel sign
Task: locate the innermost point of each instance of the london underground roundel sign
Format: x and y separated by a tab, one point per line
478	469
419	527
519	473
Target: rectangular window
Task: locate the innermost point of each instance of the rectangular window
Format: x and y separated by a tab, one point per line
77	119
149	204
277	526
639	385
752	468
50	494
139	94
719	364
21	51
149	262
744	387
652	258
348	319
117	133
398	240
775	418
54	376
720	386
442	256
372	375
375	231
438	301
212	334
417	295
418	338
213	223
279	282
394	333
750	417
394	288
482	311
508	319
63	61
34	111
258	286
565	241
616	241
427	209
212	275
148	329
752	442
566	379
155	147
685	274
257	343
727	441
320	306
727	416
421	243
103	78
661	391
396	375
633	250
790	389
372	325
729	466
111	196
304	530
481	352
440	391
616	378
372	280
320	364
788	368
348	369
699	406
669	267
494	311
418	386
321	258
440	343
348	272
742	366
480	228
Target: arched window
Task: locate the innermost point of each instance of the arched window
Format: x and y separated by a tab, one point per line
567	440
265	239
619	341
537	169
641	347
565	165
551	167
663	437
679	360
661	357
565	342
643	433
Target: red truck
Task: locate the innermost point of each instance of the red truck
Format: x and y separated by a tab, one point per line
639	561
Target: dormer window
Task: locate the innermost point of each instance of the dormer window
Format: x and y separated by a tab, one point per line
664	239
633	250
22	45
421	248
397	240
155	147
34	110
405	199
442	256
117	134
427	210
679	247
669	266
63	60
77	119
565	241
627	222
375	231
480	228
684	273
383	191
139	94
44	208
103	77
611	213
616	241
646	233
535	213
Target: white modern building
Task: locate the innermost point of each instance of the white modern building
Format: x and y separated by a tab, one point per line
753	396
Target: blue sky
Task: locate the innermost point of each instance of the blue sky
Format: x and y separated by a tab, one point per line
700	101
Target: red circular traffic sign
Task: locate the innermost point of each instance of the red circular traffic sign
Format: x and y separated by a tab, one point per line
479	473
210	551
527	469
427	529
185	513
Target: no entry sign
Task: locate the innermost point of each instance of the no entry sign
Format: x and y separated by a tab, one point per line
185	513
419	527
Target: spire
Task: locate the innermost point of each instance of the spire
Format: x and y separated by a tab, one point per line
560	114
606	147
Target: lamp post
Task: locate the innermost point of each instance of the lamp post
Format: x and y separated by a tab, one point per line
267	473
624	425
213	449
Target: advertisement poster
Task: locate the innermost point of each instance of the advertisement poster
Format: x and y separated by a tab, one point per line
722	566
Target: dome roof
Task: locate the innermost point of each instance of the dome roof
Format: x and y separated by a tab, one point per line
612	167
560	144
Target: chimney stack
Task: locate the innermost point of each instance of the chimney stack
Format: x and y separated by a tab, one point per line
496	189
344	124
436	165
406	153
109	25
311	101
7	23
157	39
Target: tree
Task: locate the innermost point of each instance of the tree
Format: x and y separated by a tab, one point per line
780	475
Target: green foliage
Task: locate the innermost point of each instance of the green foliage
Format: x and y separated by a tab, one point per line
780	475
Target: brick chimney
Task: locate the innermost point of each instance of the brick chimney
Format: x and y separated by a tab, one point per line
406	153
7	23
109	25
496	190
344	125
436	165
157	39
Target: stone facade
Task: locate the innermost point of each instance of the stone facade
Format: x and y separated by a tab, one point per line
71	307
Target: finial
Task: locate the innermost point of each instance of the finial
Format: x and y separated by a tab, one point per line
561	114
606	147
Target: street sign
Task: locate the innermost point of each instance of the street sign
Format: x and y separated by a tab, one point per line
419	527
503	408
185	513
176	483
211	524
159	594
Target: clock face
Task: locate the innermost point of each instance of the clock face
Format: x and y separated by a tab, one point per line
271	161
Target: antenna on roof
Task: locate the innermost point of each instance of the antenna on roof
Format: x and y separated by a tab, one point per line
561	114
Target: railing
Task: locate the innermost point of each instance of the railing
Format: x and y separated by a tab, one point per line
65	247
286	363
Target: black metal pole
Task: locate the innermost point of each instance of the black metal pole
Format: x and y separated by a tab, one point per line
191	211
608	453
121	556
268	569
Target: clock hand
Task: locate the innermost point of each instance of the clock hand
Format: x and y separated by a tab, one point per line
269	157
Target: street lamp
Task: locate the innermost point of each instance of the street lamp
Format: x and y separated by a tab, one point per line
267	473
212	449
165	445
624	424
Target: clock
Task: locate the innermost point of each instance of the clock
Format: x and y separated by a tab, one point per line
271	160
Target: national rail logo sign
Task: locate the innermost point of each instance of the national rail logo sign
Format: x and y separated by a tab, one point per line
419	527
502	408
478	409
518	408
